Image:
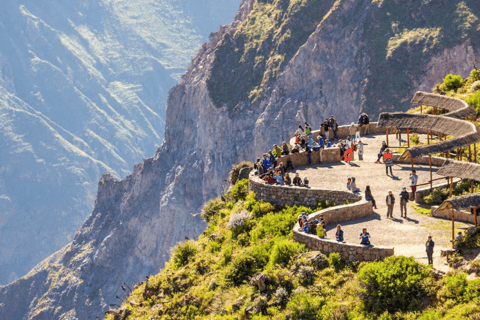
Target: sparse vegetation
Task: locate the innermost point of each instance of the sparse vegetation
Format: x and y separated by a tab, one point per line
210	278
255	55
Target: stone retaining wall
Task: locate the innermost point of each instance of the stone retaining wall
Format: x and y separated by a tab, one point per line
292	195
462	216
348	251
347	212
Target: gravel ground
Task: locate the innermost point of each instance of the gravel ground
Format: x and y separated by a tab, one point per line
406	235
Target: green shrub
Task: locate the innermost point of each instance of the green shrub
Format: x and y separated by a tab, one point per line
305	306
335	260
184	253
261	252
474	101
458	289
240	190
394	284
227	256
475	75
213	246
451	82
211	209
284	250
436	197
279	223
240	269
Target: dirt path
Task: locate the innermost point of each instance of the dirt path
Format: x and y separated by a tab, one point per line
406	235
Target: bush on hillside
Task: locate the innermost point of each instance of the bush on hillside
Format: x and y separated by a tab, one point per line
239	222
458	289
474	101
398	283
240	269
211	209
304	306
475	75
240	190
284	250
184	253
451	82
335	260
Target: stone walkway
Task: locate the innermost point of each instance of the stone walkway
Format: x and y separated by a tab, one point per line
407	236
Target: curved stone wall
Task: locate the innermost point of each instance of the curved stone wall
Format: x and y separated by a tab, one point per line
292	195
348	251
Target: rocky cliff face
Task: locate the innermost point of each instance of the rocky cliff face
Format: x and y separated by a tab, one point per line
83	87
136	220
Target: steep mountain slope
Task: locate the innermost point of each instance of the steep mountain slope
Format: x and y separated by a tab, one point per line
83	87
136	220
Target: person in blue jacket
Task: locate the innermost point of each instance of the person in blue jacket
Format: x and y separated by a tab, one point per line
339	233
321	142
365	236
328	144
266	162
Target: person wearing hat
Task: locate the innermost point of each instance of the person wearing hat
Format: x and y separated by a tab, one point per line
404	196
429	248
390	203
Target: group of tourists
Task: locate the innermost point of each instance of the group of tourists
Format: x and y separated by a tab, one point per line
274	172
310	226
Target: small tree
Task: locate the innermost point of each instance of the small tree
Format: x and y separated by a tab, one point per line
394	284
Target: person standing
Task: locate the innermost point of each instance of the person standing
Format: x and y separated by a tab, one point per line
360	150
335	128
388	163
366	123
351	131
325	128
413	183
429	248
390	203
369	196
403	202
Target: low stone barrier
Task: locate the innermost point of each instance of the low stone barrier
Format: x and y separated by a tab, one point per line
436	161
329	155
292	195
462	216
423	191
344	132
348	251
347	212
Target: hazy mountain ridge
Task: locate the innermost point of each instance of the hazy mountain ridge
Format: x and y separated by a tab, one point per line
83	87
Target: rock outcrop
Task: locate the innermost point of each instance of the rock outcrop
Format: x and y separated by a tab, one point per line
136	220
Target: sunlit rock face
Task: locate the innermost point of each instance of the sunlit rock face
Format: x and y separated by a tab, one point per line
83	87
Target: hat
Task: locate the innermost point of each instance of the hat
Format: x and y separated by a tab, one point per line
404	187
